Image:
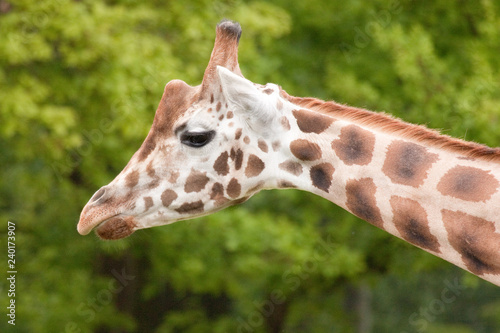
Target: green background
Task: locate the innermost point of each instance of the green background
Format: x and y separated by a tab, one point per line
79	84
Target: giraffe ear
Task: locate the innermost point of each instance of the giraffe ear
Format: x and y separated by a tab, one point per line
245	97
237	89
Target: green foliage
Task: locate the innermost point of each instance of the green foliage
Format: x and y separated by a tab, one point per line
79	83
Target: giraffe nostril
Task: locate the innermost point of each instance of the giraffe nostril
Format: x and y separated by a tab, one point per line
98	195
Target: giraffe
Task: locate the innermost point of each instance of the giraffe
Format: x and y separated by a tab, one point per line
217	144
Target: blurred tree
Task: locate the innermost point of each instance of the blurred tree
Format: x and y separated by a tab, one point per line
79	83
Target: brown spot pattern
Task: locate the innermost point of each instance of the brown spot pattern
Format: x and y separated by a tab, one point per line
254	166
354	145
279	105
237	157
276	145
233	188
132	179
174	175
255	189
196	181
152	174
237	134
476	241
410	218
311	122
321	176
285	123
148	203
286	184
468	183
407	163
305	150
268	91
229	114
246	139
217	194
361	200
191	208
217	108
262	145
167	197
220	165
292	167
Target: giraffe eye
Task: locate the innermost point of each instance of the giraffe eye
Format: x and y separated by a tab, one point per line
197	139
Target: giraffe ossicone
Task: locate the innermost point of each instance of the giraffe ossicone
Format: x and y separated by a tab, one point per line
217	144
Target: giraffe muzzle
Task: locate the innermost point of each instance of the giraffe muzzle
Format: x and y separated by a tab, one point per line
105	214
116	227
113	227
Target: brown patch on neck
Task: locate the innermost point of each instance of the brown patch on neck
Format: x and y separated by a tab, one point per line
321	176
286	184
292	167
475	239
468	183
262	145
355	145
276	145
305	150
285	123
312	122
279	105
407	163
410	218
388	124
237	134
361	200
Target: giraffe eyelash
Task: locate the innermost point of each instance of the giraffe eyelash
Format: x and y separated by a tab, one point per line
197	139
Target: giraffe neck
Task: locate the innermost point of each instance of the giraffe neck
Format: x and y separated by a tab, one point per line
442	201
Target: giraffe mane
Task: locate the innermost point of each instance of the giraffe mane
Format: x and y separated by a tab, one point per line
387	123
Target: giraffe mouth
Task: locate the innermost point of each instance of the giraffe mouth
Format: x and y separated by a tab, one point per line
116	227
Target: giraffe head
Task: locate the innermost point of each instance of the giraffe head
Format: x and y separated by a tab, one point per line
204	151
